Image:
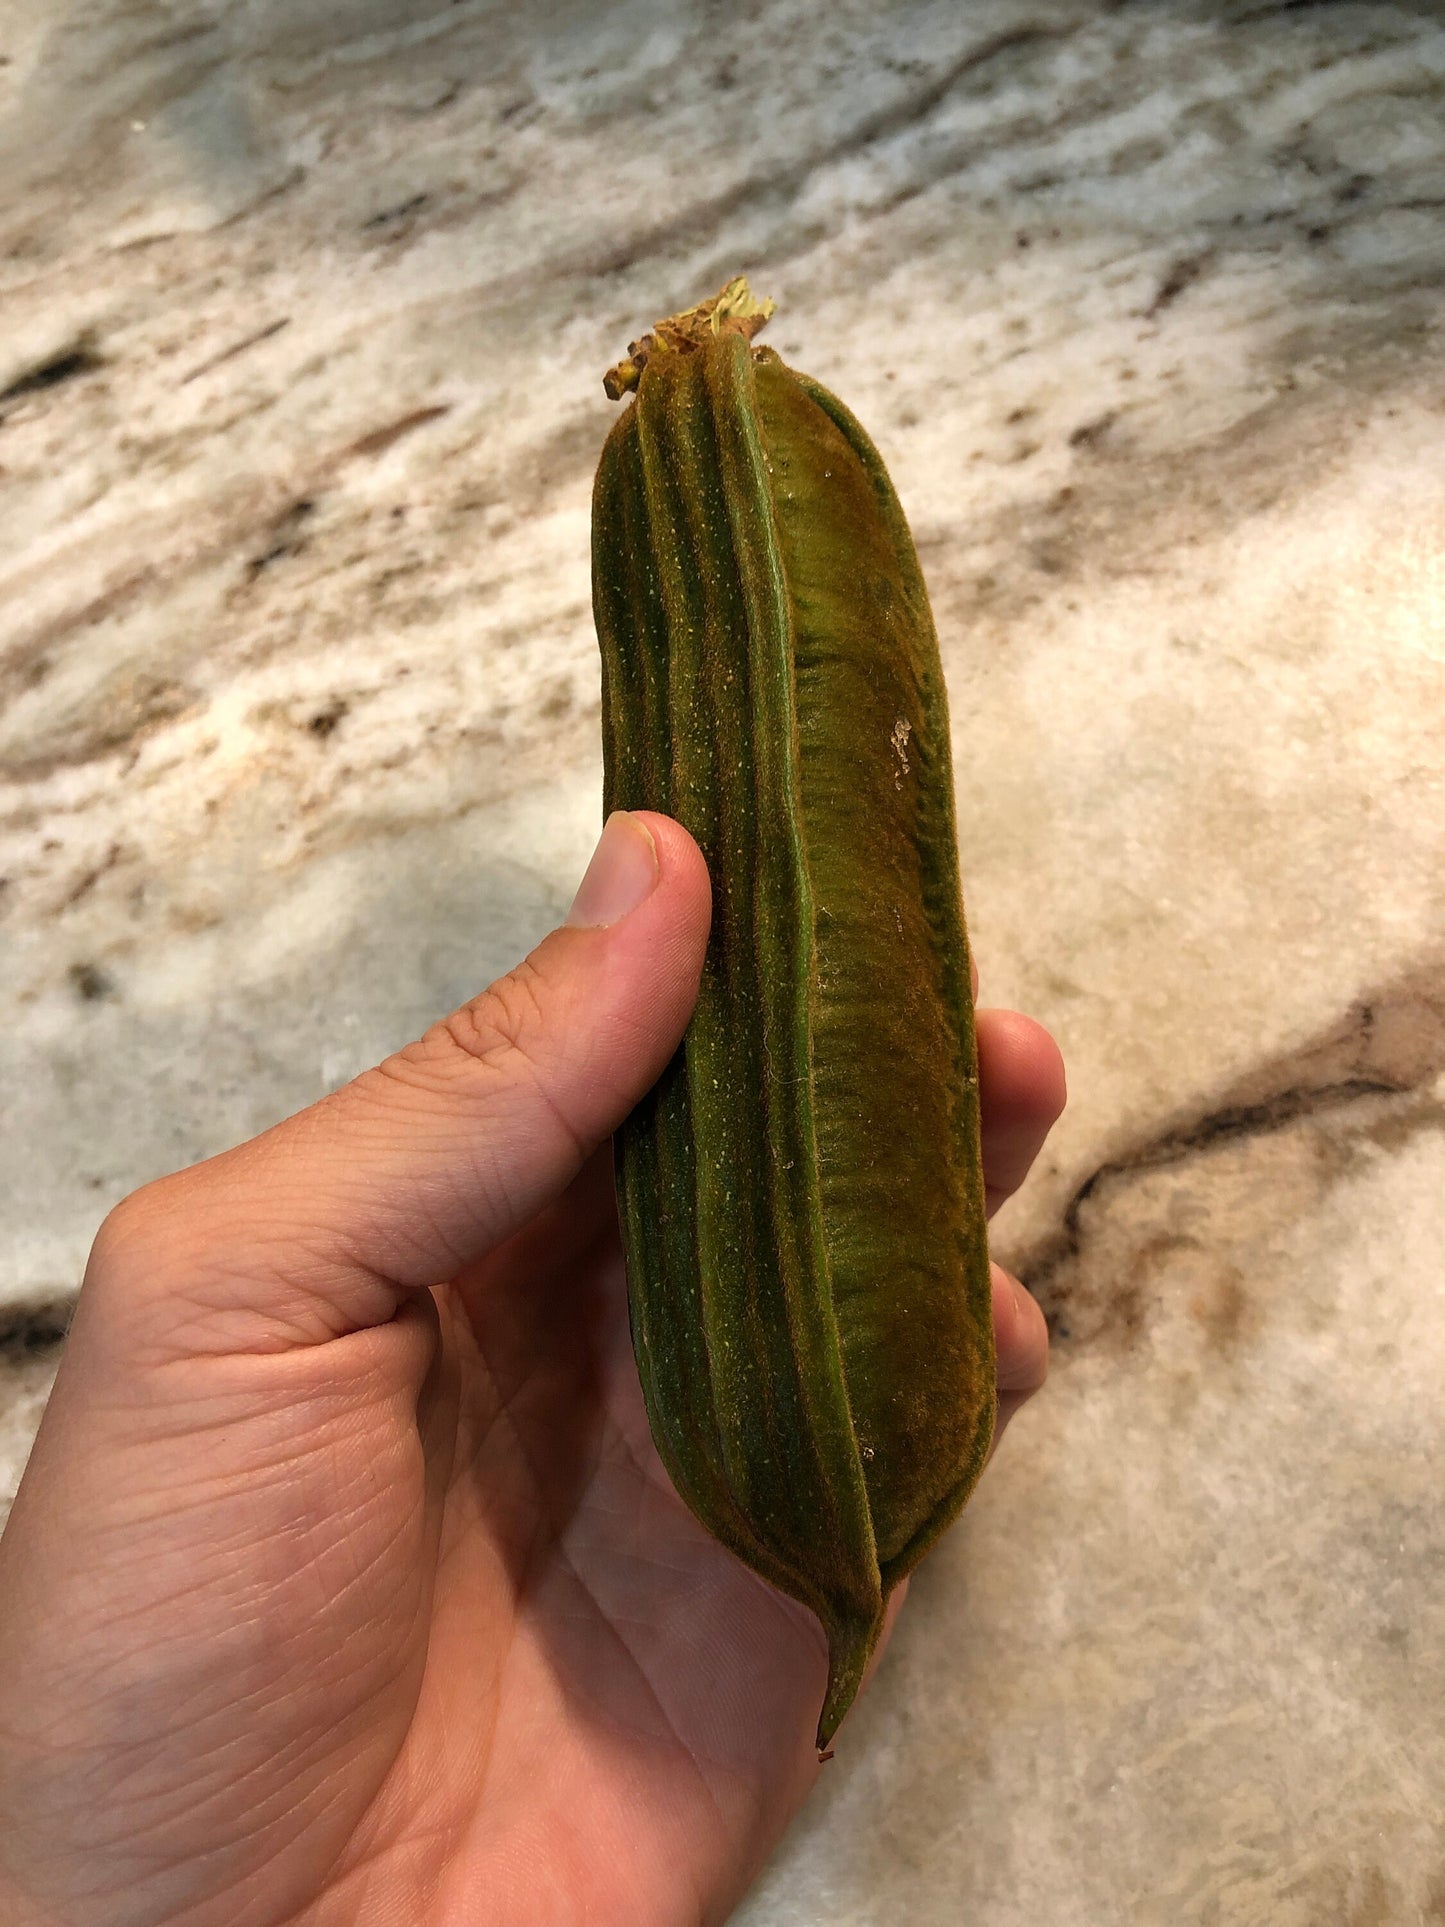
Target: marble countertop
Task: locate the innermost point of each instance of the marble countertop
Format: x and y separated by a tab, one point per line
305	305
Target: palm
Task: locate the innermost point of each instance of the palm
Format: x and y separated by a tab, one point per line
608	1694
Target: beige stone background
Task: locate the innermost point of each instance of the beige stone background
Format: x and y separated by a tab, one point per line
303	305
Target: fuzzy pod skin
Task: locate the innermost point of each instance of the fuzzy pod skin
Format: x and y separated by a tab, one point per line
801	1195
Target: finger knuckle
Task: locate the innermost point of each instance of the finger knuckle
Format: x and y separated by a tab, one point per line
136	1248
503	1022
481	1046
503	1030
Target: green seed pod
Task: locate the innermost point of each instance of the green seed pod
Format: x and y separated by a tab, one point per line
801	1195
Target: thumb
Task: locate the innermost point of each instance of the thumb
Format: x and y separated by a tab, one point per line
321	1225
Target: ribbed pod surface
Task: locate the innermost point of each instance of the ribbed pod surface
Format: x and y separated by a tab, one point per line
801	1194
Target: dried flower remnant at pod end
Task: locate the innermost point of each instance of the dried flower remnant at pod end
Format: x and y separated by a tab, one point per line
732	310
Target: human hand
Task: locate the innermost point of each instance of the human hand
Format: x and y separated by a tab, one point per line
344	1584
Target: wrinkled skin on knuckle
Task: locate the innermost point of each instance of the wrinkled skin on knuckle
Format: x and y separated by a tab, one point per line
475	1052
480	1072
504	1023
502	1033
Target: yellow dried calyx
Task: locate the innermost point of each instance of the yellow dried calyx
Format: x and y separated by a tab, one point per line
733	310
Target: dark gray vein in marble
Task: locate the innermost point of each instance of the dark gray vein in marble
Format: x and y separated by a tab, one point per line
1389	1046
34	1330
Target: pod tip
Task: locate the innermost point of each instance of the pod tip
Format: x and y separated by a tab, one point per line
851	1644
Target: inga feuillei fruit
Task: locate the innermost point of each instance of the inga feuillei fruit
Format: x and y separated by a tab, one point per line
801	1195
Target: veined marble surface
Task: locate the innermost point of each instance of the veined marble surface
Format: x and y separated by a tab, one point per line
303	308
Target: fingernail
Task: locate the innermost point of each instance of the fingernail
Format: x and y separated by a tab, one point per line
622	874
